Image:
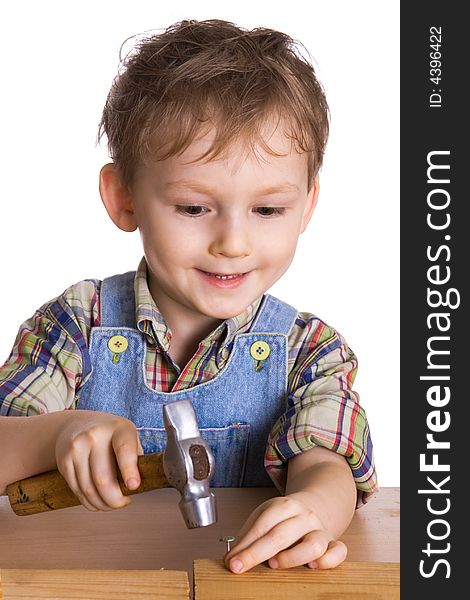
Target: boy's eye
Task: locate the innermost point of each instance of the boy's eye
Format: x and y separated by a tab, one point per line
192	210
269	211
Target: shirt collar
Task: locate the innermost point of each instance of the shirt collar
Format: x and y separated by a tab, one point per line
148	318
151	322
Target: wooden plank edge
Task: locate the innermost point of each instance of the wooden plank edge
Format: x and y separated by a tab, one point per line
183	575
351	572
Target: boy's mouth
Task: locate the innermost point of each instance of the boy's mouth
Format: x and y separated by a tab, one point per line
225	276
223	279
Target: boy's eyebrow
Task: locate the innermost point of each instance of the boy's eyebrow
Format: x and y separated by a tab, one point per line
196	186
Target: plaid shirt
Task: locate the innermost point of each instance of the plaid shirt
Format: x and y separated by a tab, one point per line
50	362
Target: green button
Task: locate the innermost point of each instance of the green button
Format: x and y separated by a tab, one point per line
118	344
260	350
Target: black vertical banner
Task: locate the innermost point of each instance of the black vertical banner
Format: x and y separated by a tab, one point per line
435	254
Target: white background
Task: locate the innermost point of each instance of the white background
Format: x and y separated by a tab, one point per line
58	61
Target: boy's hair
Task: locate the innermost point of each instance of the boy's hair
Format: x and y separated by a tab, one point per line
196	74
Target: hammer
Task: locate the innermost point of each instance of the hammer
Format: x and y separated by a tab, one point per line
187	464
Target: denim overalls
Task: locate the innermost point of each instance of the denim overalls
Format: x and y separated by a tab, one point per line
235	410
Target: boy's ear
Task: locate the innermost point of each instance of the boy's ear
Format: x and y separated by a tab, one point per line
312	198
117	198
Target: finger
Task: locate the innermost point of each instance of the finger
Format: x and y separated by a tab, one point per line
68	472
266	519
87	488
335	555
310	548
277	539
103	472
125	444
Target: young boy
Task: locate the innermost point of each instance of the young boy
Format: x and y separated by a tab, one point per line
217	136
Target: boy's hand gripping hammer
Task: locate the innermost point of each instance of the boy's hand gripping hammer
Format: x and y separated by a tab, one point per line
187	464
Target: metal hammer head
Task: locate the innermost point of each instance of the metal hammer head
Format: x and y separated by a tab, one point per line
189	464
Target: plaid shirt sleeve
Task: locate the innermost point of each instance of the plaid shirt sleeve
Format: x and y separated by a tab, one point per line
50	358
322	408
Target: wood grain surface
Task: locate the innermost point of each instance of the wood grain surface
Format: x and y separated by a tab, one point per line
90	584
352	580
151	534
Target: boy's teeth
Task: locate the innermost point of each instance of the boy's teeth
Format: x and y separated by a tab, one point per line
227	276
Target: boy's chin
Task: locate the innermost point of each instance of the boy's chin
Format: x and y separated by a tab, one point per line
224	313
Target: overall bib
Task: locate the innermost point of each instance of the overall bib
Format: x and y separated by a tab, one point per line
235	410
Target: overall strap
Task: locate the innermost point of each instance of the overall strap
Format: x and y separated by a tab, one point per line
274	316
118	301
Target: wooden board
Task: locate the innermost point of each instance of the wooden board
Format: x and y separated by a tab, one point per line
93	584
364	580
151	534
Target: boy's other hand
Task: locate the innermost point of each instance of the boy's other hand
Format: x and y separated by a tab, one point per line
287	533
86	453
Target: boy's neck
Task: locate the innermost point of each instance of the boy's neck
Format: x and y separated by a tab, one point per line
187	327
186	336
182	349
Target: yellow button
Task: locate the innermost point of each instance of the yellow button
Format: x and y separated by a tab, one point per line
260	350
118	344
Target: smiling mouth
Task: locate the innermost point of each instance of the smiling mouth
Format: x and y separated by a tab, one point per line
223	281
224	277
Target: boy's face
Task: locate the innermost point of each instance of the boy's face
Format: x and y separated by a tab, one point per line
218	234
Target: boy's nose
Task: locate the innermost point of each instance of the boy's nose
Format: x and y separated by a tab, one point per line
230	238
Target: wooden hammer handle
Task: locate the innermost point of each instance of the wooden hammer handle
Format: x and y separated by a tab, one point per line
49	491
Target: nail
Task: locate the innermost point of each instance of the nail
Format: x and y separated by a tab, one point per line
227	539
